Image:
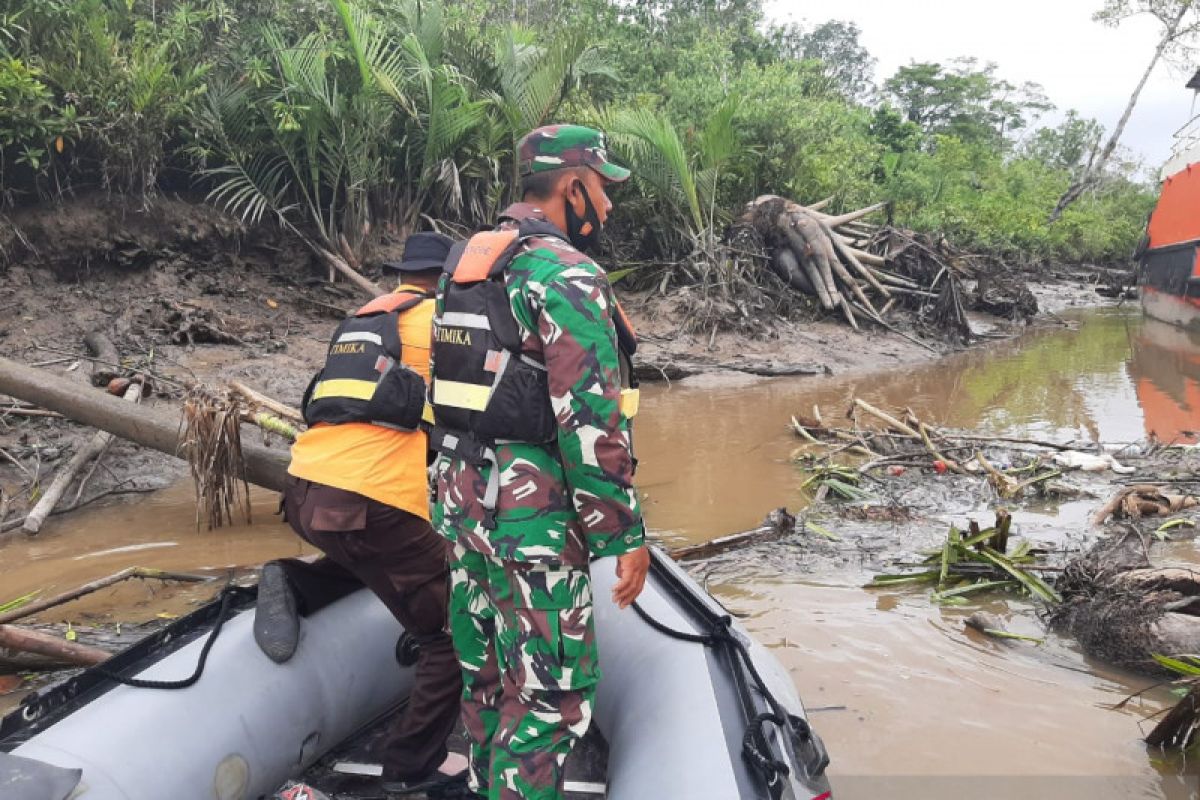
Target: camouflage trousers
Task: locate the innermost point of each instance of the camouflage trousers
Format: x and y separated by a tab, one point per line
527	647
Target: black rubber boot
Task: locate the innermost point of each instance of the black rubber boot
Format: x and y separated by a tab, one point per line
276	620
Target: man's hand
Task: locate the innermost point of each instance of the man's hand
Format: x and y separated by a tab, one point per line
631	576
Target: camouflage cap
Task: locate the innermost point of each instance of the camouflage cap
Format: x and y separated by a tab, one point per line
557	146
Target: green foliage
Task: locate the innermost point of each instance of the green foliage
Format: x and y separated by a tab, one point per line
964	100
845	63
346	119
31	126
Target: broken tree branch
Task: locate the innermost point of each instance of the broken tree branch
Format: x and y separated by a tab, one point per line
95	446
39	606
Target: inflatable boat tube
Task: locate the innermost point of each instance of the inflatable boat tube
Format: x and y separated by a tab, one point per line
691	707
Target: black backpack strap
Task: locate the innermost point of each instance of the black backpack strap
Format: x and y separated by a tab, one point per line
306	398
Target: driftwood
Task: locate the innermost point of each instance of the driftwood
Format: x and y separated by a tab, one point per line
107	365
154	427
779	523
1142	500
25	640
93	449
1179	727
36	607
17	411
851	266
256	398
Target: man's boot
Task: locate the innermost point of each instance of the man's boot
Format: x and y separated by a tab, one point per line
276	620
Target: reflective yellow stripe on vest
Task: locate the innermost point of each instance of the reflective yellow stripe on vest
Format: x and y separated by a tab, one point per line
345	387
630	401
456	394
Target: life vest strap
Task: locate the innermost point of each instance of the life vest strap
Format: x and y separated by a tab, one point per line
483	252
398	301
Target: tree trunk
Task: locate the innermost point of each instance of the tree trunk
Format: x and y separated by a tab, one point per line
1080	184
153	427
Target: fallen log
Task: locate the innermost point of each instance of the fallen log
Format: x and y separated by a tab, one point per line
150	426
25	640
93	449
779	523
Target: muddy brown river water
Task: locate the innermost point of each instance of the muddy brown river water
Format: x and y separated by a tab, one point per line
910	704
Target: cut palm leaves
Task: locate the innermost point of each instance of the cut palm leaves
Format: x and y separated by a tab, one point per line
841	481
13	605
976	562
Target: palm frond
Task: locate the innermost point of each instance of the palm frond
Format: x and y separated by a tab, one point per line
655	150
253	189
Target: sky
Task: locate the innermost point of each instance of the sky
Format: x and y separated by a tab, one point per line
1081	64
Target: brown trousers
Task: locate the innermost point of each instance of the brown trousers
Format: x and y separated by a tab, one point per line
400	558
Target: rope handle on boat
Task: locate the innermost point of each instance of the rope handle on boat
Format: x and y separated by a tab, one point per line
754	739
227	595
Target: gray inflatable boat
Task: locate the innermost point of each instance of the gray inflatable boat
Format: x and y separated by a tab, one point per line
690	708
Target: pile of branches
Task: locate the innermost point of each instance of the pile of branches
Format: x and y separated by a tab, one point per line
859	269
897	441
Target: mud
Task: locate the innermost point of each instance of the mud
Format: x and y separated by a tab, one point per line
911	703
190	296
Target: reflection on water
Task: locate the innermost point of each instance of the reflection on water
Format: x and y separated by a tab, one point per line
915	706
715	453
1165	368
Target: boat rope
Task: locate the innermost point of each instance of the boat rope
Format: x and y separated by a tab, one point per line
755	746
227	596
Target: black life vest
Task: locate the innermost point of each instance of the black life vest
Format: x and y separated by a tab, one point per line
365	378
483	385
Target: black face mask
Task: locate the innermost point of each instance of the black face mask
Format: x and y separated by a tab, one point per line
584	232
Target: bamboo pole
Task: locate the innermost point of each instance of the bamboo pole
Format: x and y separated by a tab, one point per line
24	640
887	419
269	403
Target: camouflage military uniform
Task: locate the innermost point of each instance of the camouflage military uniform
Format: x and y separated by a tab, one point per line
521	606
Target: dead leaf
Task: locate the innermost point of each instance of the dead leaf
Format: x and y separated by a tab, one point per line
10	683
272	304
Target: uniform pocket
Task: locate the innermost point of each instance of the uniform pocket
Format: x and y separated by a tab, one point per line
351	516
550	643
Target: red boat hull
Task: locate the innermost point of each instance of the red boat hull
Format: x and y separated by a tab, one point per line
1176	309
1170	265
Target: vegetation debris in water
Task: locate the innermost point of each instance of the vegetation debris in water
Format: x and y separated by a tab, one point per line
976	561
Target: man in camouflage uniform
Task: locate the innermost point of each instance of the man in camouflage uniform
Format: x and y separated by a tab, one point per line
520	603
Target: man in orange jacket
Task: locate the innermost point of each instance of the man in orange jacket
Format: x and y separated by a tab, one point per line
357	490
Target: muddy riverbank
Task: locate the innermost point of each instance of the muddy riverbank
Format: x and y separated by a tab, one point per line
190	296
910	702
895	681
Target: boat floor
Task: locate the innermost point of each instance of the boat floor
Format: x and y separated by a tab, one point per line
587	767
